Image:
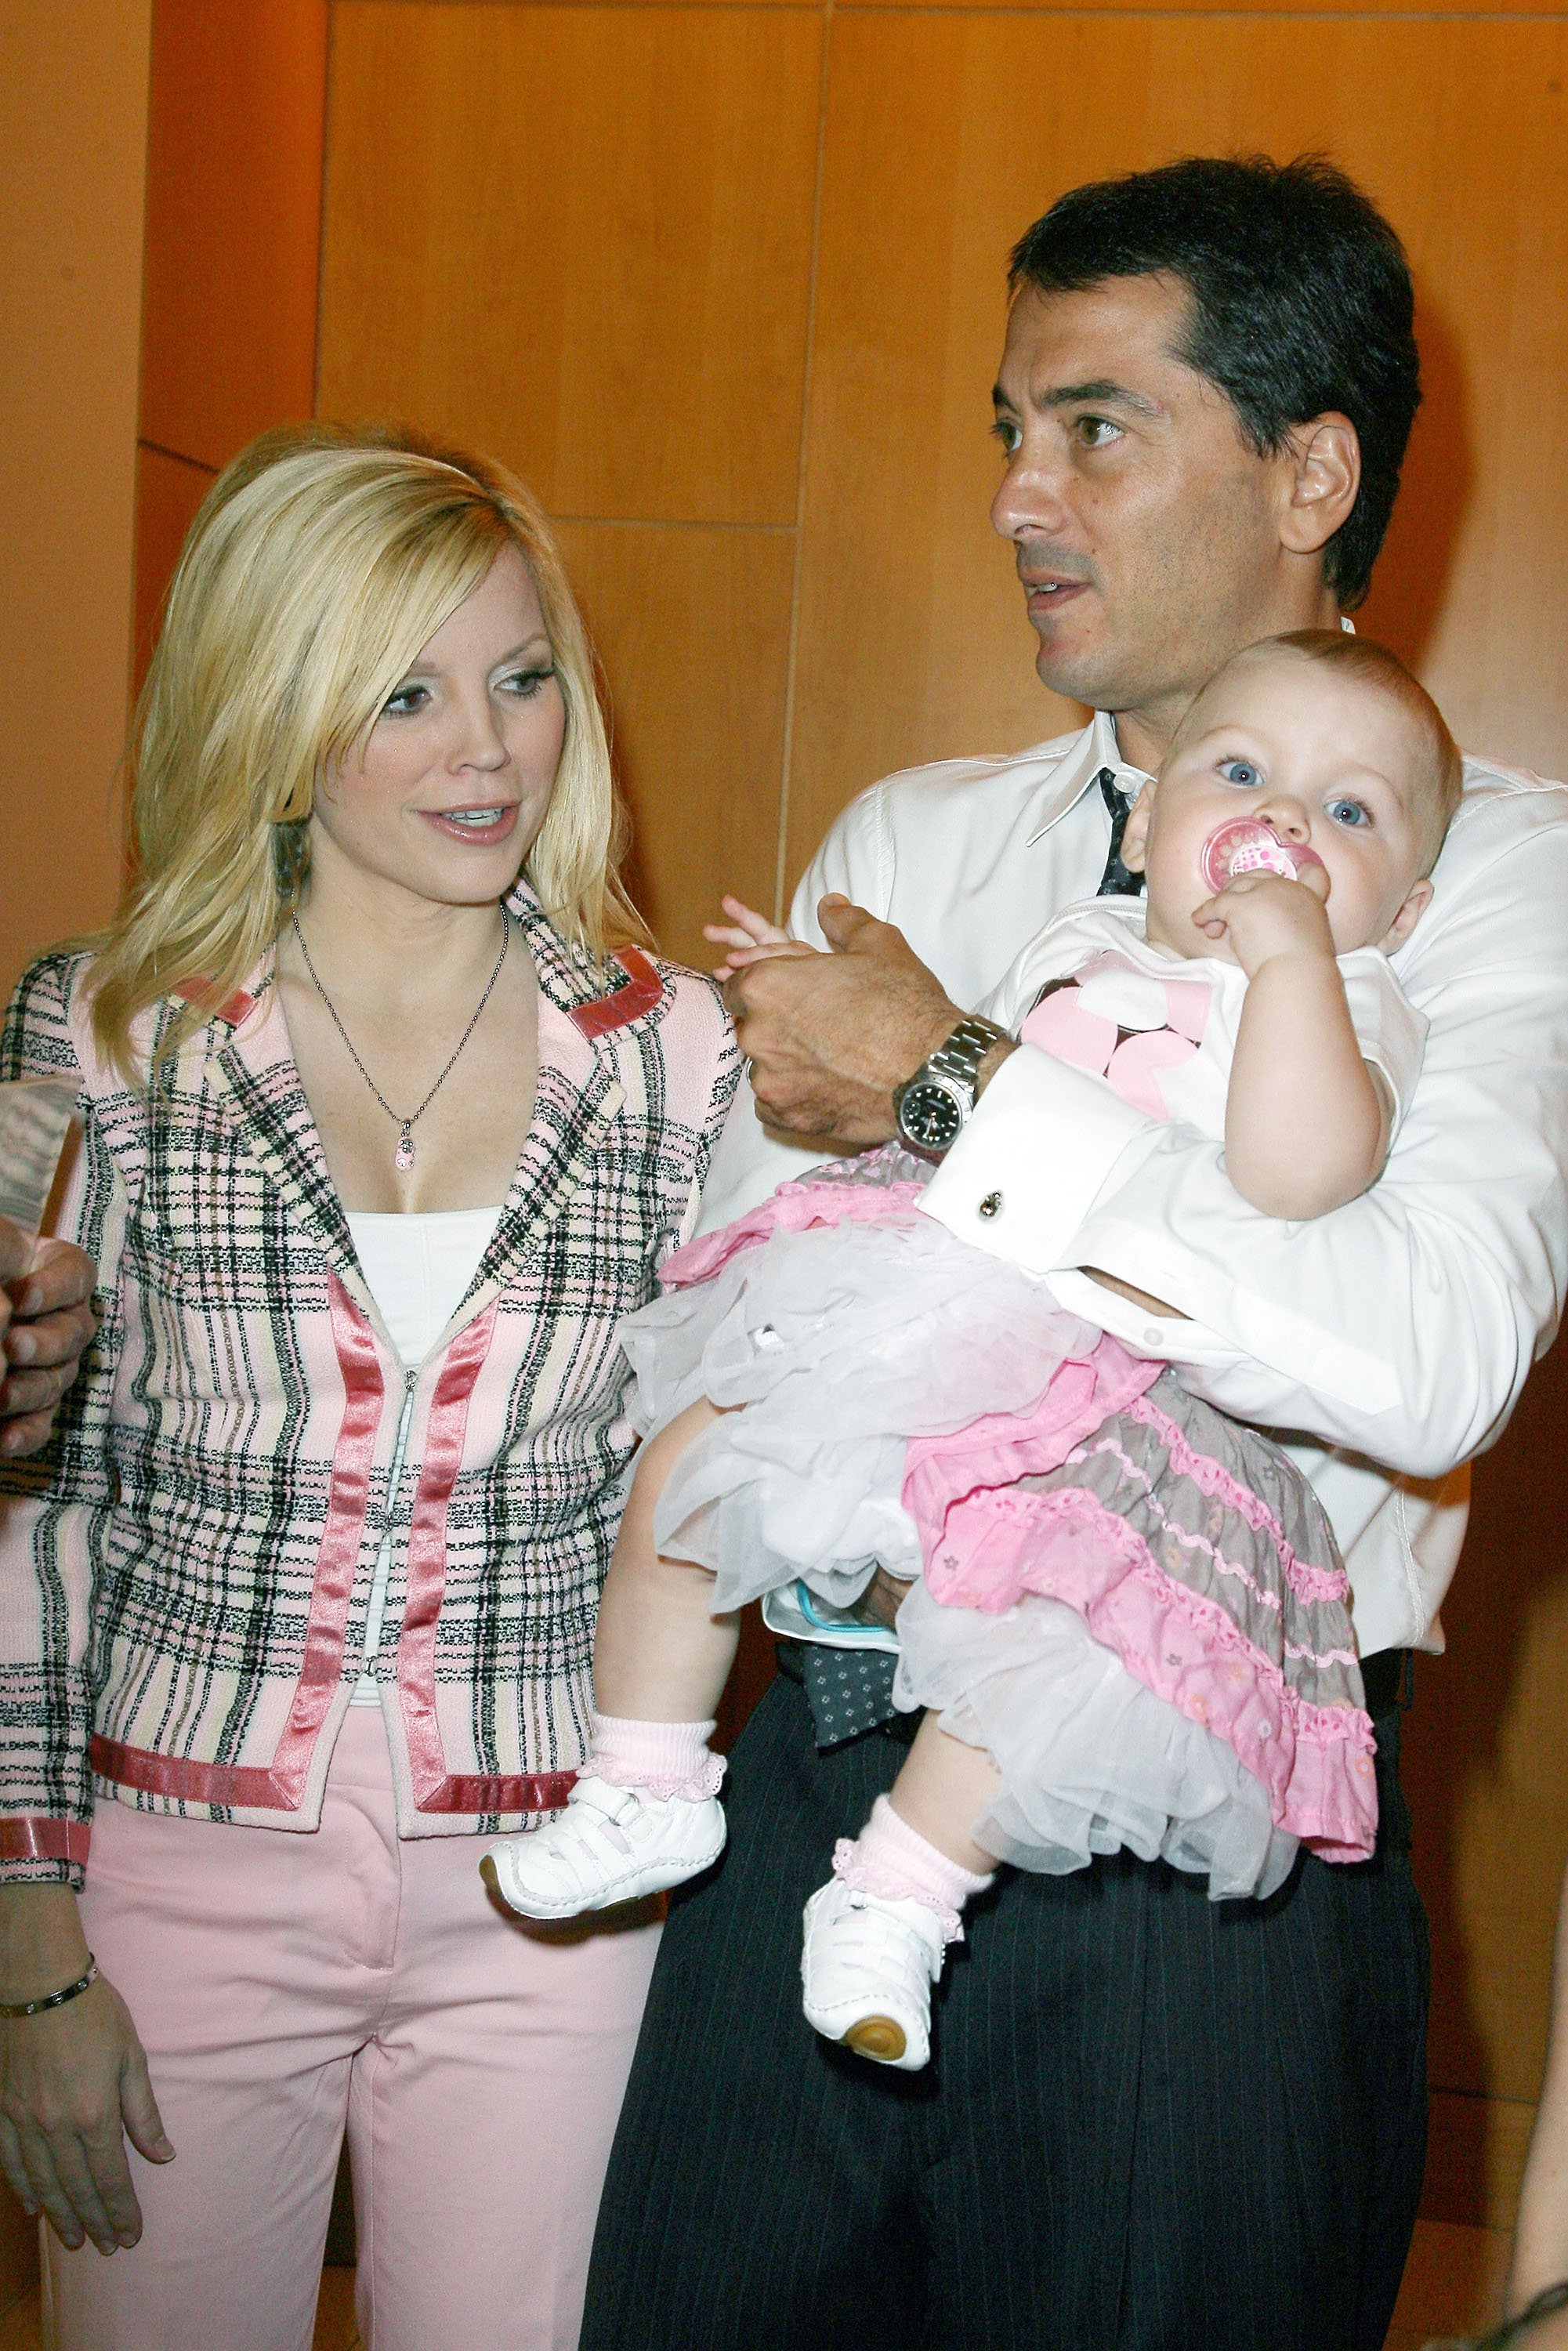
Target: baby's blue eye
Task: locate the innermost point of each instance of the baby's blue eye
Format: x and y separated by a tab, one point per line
1240	771
1350	813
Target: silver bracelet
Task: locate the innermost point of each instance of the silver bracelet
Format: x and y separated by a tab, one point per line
52	1998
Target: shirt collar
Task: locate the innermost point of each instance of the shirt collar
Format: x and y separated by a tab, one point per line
1079	765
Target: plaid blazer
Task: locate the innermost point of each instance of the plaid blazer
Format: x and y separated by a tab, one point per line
184	1574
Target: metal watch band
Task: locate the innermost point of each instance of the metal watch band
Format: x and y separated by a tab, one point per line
965	1049
932	1107
52	1998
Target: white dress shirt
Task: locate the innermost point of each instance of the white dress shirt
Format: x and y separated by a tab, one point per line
1396	1332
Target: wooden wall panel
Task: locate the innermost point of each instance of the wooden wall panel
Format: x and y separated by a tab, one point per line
168	492
1211	8
911	644
73	113
585	248
235	164
234	215
692	627
1488	1791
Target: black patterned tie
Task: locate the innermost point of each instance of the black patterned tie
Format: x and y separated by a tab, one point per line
849	1692
1116	881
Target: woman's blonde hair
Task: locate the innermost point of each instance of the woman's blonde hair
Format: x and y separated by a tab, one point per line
321	560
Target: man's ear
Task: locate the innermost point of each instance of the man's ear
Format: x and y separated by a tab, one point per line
1321	482
1136	840
1406	920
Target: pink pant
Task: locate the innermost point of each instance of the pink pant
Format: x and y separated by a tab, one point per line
285	1984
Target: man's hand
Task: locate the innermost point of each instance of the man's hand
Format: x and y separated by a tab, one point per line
1267	914
829	1037
46	1290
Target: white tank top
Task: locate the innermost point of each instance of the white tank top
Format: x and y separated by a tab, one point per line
418	1269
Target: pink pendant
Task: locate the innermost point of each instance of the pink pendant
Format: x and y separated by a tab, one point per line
402	1158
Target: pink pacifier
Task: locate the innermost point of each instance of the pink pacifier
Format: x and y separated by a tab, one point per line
1246	845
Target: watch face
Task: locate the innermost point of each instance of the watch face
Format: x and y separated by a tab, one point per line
929	1116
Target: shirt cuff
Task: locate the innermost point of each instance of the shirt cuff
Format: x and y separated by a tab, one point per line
1166	1338
1033	1159
1170	1339
1236	1329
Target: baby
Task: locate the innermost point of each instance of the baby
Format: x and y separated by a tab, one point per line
1126	1617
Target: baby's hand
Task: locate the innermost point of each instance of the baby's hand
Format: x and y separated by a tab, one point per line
1267	914
750	938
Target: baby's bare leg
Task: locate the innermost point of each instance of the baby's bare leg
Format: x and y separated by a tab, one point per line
659	1654
942	1791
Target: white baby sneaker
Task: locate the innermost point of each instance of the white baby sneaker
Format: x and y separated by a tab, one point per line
611	1844
868	1966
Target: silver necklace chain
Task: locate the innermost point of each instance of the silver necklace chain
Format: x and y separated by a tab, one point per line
403	1157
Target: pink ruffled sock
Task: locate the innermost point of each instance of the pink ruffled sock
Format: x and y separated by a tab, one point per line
891	1859
658	1758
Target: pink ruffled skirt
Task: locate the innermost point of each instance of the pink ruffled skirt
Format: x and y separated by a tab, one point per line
1134	1604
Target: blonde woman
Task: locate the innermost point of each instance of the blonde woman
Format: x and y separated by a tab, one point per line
380	1142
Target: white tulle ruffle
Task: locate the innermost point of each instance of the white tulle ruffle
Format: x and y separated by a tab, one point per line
1090	1759
843	1343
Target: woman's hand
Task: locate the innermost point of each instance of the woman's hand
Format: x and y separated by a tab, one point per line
73	2081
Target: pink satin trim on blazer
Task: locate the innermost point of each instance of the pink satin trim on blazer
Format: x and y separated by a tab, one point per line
236	1011
32	1838
642	991
436	1789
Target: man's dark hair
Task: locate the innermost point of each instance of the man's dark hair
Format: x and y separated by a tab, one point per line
1301	302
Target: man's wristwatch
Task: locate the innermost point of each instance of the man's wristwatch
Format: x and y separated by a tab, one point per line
933	1105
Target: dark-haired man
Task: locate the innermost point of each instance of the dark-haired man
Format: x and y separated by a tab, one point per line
1152	2123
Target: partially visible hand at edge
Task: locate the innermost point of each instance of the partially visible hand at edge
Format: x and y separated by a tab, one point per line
47	1300
749	937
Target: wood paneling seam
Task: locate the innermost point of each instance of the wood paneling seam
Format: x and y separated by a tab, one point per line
787	748
621	7
976	11
177	457
322	212
672	522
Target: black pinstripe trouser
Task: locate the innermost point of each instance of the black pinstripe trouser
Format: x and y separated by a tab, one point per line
1152	2123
